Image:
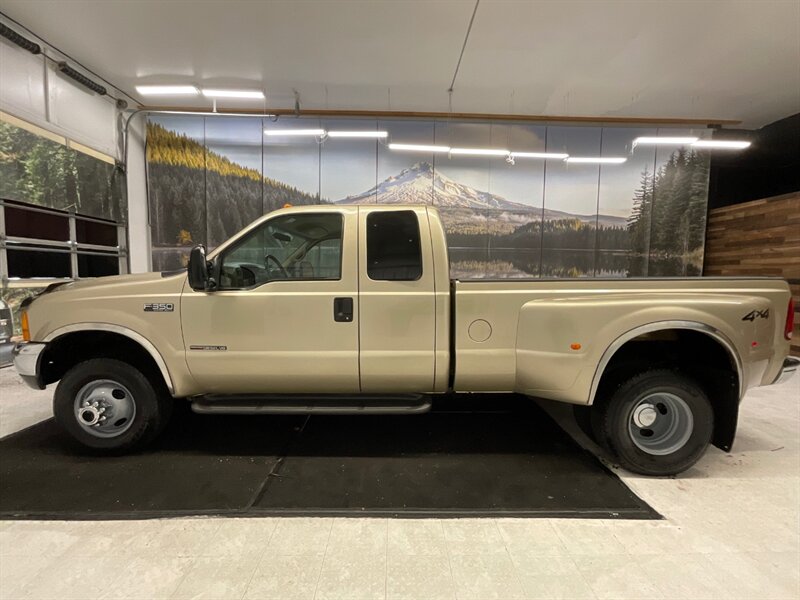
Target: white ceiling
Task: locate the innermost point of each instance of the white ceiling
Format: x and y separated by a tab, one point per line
714	59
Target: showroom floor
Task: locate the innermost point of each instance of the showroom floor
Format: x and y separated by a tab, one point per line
732	530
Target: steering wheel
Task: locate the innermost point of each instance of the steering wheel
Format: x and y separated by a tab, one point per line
270	257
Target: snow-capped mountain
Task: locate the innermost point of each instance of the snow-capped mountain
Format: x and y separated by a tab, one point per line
420	184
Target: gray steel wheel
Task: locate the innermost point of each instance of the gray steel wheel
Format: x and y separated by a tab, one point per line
660	423
104	408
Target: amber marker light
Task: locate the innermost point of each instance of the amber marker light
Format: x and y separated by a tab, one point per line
26	329
575	346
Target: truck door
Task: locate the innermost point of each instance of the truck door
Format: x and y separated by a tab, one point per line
397	307
284	318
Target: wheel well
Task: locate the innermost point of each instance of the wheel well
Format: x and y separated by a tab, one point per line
68	350
692	353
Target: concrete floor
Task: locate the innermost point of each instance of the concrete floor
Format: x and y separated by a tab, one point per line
732	530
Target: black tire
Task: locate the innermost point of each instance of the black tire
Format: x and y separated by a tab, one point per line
151	402
615	424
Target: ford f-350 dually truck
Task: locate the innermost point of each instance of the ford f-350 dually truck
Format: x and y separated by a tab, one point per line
351	309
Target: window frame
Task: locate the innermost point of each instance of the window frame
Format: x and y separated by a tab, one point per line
419	244
218	260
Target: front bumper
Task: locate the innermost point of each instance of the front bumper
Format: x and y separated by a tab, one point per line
791	364
27	358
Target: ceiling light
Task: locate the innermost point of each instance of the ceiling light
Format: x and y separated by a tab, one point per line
610	160
722	144
545	155
419	148
358	134
167	90
294	132
251	94
480	151
665	140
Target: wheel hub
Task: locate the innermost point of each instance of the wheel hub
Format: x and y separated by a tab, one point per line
104	408
91	415
645	415
660	423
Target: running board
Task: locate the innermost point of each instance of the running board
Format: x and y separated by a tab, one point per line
247	404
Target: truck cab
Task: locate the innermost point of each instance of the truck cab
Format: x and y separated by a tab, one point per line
351	291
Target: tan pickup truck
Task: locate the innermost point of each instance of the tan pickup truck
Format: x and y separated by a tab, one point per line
352	309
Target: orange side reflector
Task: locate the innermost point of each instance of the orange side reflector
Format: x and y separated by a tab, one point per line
26	330
575	346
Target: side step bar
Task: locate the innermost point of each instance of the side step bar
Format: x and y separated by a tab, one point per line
332	404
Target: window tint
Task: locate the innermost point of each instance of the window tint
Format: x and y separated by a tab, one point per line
393	248
301	246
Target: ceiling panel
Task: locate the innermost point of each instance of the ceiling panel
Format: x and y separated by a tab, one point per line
714	59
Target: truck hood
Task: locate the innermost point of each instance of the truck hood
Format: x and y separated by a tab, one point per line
104	282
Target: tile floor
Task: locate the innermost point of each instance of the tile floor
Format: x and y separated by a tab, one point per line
732	530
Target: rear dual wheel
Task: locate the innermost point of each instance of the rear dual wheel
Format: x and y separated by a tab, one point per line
655	423
109	405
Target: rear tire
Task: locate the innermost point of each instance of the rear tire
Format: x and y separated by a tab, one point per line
656	423
109	405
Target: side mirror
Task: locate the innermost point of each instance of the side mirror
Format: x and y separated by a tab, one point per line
199	279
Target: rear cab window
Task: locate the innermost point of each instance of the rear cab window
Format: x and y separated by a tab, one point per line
394	252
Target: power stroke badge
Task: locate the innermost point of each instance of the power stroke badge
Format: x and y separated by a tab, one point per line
159	307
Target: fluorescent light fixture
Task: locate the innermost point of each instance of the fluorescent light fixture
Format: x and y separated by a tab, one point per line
167	90
599	160
358	134
545	155
250	94
675	140
722	144
294	132
419	148
479	151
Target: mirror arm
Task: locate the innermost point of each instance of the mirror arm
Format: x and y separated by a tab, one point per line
211	282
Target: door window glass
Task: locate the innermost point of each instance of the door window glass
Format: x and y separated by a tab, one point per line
393	247
298	247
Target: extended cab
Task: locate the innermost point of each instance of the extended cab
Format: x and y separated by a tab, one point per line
351	309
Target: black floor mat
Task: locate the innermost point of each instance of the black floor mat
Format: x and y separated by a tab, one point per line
477	456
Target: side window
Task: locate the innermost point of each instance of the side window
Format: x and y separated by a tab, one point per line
299	247
393	247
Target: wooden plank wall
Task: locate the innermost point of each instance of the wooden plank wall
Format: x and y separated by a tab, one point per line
761	237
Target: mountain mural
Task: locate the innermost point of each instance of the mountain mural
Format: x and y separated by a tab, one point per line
421	184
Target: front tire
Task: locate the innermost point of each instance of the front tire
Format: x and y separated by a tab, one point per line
656	423
109	405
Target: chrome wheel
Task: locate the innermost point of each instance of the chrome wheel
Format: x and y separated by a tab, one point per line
660	423
105	408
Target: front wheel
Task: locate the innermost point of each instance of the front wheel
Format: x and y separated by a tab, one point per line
656	423
107	404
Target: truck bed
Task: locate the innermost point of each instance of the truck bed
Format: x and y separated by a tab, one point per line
547	337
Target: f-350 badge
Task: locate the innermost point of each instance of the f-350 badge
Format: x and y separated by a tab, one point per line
159	307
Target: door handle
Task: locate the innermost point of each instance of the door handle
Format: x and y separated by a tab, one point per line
343	309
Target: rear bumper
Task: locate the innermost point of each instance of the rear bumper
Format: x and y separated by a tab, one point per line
27	359
791	364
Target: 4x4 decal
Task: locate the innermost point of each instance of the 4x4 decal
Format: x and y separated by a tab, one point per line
756	314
